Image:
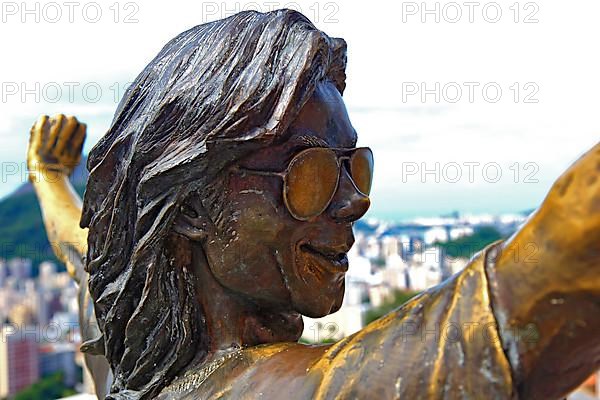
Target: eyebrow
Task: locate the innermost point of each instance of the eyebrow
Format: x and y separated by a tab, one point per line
308	141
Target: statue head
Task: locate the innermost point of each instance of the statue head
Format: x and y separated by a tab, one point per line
232	149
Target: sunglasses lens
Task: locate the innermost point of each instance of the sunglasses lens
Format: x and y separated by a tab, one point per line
310	183
361	168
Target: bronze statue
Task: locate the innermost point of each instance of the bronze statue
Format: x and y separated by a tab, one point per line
219	208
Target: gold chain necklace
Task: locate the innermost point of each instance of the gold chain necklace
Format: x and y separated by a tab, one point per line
193	379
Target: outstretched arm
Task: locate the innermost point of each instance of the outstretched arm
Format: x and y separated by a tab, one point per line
54	151
522	320
545	280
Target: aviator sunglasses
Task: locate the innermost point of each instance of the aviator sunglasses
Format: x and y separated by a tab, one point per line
313	175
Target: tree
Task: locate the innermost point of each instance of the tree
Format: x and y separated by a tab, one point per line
50	387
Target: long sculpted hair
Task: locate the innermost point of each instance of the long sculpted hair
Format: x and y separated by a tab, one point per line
213	94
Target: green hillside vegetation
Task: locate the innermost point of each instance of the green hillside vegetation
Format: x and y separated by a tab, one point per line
466	246
22	232
50	387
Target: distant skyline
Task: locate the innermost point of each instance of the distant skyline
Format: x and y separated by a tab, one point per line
424	96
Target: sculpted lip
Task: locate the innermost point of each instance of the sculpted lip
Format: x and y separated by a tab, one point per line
335	261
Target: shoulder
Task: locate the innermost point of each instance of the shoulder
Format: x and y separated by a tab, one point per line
267	370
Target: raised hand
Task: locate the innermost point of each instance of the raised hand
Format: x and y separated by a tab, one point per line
54	151
55	144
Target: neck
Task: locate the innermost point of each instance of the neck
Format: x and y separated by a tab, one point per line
233	321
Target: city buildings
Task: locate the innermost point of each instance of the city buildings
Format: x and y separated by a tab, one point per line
40	333
19	362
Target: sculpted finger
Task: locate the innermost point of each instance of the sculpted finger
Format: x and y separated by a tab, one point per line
56	125
36	133
78	139
66	133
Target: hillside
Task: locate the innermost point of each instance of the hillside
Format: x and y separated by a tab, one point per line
22	232
466	246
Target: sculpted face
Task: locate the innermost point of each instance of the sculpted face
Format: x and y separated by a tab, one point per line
267	254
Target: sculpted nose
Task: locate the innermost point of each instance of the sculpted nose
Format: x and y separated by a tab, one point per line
348	203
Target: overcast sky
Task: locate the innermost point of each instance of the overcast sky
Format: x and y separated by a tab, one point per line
510	88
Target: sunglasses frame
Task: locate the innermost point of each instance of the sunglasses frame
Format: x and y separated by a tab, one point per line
347	154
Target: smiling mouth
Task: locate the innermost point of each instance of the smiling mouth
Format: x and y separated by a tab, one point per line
333	261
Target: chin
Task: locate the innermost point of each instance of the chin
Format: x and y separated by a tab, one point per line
319	304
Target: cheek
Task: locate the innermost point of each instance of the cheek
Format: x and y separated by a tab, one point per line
260	215
260	220
255	247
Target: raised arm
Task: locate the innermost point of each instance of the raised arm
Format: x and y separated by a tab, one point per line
54	151
546	280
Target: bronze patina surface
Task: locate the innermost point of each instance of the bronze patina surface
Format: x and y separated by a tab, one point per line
199	272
